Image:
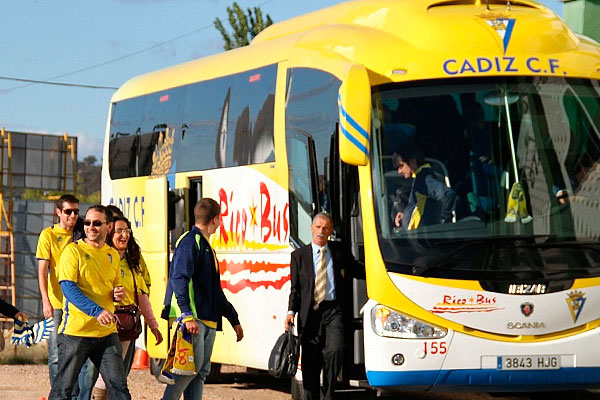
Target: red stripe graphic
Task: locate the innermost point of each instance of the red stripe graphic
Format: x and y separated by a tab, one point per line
253	267
259	266
245	283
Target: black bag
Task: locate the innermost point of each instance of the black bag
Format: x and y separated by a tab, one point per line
283	361
129	324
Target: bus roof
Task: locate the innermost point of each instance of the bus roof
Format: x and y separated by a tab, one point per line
418	37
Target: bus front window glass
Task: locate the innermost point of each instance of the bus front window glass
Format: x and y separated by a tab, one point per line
517	159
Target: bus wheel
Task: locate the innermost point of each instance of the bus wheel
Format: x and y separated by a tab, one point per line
156	365
215	373
297	389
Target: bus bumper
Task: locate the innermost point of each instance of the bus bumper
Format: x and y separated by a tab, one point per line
488	379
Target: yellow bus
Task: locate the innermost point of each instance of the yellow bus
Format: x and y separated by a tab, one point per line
497	288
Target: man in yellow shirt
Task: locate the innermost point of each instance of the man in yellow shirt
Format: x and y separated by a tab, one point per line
90	278
51	243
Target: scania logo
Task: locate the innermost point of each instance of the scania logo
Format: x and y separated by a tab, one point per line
525	325
527	309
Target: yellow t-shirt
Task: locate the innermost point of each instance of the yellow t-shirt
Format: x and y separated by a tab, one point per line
127	283
96	272
51	243
145	273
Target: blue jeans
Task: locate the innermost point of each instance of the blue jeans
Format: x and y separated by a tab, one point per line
53	346
86	380
104	352
83	389
128	359
192	385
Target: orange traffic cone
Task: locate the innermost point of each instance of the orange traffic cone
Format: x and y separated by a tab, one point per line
140	359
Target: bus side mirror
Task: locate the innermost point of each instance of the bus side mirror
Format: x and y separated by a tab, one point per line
354	104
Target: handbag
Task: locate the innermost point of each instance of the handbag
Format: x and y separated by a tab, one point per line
283	361
129	322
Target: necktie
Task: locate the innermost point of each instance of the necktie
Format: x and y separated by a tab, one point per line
320	280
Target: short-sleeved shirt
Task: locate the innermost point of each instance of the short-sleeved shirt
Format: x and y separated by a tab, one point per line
51	243
127	283
145	273
96	272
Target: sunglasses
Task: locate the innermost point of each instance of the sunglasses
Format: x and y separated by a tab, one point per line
70	211
96	223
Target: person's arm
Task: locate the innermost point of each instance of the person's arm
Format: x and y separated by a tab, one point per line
295	287
43	253
231	314
43	266
74	295
146	309
182	271
443	194
8	309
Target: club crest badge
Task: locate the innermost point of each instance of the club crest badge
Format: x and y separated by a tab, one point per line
527	309
504	28
575	301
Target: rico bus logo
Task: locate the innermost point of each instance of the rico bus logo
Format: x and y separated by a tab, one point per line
477	303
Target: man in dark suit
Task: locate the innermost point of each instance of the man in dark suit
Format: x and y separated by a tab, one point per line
319	295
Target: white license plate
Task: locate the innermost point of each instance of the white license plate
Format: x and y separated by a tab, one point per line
528	362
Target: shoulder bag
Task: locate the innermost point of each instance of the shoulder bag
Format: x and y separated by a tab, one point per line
129	323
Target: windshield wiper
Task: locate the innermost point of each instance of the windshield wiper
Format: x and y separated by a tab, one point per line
420	269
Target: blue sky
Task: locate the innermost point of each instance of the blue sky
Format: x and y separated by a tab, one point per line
105	43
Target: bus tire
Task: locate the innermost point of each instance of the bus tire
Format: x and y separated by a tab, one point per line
297	389
156	365
215	373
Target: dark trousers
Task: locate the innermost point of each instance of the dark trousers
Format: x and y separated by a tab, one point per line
104	352
322	348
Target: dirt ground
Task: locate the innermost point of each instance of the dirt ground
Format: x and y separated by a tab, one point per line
19	379
31	382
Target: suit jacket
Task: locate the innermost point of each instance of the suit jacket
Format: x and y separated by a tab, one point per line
303	279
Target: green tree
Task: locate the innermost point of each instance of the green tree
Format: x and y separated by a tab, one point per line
245	27
88	180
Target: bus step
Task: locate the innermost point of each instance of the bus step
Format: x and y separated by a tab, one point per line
362	383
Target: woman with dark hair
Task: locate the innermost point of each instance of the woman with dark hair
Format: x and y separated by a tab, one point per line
122	240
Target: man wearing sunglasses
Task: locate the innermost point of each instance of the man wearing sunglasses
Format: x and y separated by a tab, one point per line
51	243
90	278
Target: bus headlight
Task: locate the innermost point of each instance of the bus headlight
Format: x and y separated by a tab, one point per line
389	323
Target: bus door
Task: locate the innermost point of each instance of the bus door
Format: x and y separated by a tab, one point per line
342	188
194	194
156	255
303	186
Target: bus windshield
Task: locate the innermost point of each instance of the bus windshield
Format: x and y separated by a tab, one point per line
488	178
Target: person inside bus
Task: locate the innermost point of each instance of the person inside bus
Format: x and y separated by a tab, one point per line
430	201
319	296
